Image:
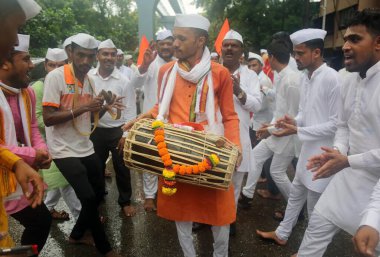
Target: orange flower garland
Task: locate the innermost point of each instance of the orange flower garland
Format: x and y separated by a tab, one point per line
170	170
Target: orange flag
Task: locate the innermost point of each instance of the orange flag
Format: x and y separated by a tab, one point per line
144	44
223	31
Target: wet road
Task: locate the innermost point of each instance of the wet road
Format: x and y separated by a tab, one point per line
146	235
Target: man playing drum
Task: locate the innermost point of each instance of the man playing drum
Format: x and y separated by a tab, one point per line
180	101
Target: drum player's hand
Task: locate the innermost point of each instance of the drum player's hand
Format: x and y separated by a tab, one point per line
120	145
127	126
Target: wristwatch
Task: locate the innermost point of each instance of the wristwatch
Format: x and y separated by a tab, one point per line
240	95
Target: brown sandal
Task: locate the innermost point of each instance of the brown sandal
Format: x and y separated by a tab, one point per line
62	215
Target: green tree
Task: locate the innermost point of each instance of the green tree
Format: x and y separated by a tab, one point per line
258	20
103	19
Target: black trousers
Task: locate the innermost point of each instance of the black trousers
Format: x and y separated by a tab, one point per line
85	175
36	222
105	140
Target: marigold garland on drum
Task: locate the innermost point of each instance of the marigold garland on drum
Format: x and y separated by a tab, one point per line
169	188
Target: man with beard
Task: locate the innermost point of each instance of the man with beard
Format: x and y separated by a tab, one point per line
13	15
69	103
247	99
108	133
24	139
147	78
57	184
355	155
185	80
314	125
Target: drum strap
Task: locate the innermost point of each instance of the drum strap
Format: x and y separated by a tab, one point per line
75	103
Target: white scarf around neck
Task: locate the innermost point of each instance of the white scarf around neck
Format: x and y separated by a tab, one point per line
196	75
10	130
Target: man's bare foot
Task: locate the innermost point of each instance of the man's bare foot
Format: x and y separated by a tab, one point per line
149	205
107	173
264	193
112	254
271	236
294	255
129	210
87	239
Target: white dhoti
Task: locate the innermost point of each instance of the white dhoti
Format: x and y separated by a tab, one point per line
221	236
278	169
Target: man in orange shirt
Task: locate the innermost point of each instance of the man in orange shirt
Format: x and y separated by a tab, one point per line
178	103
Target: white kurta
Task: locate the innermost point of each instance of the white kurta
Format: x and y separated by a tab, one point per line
371	214
358	135
126	71
119	85
287	102
249	83
148	81
265	114
281	148
316	120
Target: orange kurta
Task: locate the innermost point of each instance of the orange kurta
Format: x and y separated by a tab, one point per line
194	203
7	158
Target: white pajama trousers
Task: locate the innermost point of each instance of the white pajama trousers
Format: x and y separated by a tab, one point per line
298	195
221	236
68	195
318	235
237	180
278	169
150	184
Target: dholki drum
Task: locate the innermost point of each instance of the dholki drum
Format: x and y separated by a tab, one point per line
186	148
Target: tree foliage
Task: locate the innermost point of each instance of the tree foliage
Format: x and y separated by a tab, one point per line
103	19
258	20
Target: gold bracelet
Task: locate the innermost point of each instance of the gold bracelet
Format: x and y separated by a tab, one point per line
72	113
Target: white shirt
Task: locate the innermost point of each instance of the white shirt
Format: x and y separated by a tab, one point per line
149	82
249	83
358	135
371	214
287	101
317	119
292	64
120	86
265	114
126	71
63	139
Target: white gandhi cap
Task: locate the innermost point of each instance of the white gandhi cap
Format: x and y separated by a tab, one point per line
67	41
85	41
214	54
30	8
191	21
120	52
23	43
232	34
164	34
255	56
304	35
56	55
106	44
